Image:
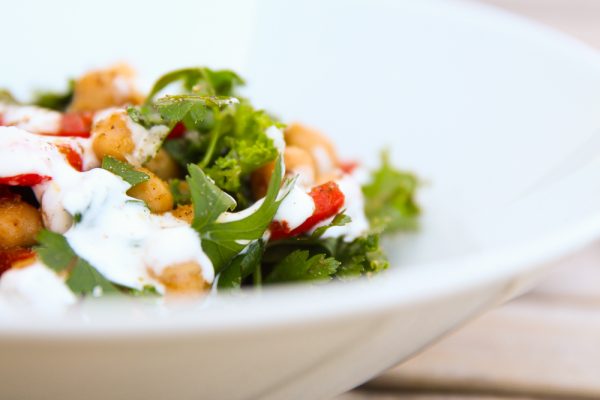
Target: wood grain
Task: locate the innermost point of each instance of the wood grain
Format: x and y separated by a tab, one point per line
544	345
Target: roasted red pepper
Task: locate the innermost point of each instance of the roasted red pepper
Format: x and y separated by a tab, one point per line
177	131
76	124
71	155
24	180
328	199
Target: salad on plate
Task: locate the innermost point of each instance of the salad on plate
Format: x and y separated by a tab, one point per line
185	190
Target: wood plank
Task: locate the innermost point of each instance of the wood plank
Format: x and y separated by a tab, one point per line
523	348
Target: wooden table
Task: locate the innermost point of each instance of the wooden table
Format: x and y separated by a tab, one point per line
544	345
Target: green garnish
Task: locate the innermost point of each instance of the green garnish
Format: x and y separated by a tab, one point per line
297	266
56	253
390	198
58	101
224	240
124	170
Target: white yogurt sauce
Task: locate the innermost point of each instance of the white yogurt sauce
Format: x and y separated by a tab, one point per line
276	135
31	118
35	286
296	208
354	207
324	162
117	234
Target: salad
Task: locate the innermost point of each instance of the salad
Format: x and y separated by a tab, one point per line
107	191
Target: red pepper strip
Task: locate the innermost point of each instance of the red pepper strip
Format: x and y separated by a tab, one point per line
328	199
10	256
75	124
177	131
71	155
348	166
24	180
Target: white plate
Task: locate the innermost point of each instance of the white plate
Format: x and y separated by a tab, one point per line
500	116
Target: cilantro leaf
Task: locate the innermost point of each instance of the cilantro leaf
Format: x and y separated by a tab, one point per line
390	198
297	266
208	200
124	170
55	252
242	266
180	191
58	101
339	220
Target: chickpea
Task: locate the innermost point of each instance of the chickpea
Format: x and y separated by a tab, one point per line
20	223
297	160
155	192
183	278
184	213
105	88
163	165
315	143
112	137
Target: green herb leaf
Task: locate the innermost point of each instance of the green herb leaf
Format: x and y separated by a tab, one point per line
390	198
7	97
124	170
202	81
181	194
54	250
208	200
242	266
297	266
339	220
361	256
84	279
224	240
58	101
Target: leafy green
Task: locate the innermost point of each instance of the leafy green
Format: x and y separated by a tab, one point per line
55	252
390	198
124	170
339	220
224	240
208	200
297	266
242	266
204	81
58	101
85	279
361	256
7	97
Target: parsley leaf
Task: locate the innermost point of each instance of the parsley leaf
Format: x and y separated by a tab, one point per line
242	266
390	198
297	266
124	170
55	252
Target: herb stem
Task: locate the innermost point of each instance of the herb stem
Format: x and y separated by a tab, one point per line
214	138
